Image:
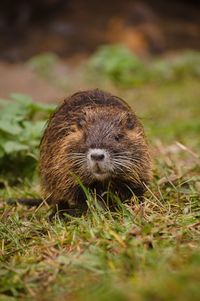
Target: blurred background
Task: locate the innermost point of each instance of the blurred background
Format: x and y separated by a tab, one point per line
44	42
148	53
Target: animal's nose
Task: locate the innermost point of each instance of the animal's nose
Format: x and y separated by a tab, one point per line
97	155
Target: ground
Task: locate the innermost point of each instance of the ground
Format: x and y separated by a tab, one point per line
147	251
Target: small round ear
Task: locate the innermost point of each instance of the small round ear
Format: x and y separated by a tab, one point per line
130	121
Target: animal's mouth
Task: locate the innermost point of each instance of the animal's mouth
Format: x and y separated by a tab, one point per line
100	176
98	169
99	173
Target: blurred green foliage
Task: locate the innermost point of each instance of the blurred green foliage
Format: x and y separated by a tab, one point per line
43	64
47	65
21	125
118	64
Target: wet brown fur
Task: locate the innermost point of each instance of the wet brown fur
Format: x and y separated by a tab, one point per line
92	119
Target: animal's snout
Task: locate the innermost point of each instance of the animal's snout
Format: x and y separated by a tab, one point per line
97	157
99	163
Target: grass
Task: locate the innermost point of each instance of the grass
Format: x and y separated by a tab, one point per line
146	251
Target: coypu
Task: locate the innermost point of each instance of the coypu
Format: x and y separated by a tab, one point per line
95	137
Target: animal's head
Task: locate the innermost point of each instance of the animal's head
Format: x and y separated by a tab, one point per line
105	143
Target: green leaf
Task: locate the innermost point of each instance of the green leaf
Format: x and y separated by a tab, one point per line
14	146
13	112
31	105
33	131
7	127
22	98
40	107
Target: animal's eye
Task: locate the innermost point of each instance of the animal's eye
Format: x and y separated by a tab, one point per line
80	123
118	137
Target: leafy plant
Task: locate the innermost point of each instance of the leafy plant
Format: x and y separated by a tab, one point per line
121	66
177	67
21	125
